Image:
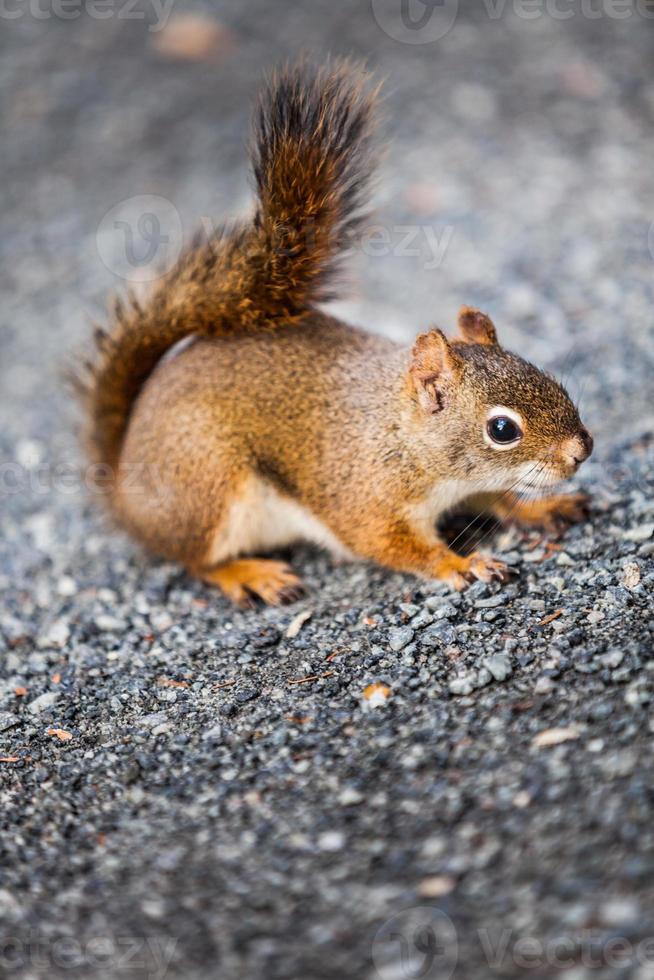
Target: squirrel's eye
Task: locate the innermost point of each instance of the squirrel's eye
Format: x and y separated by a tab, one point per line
503	430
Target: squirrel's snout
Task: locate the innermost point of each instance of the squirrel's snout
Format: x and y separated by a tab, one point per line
587	441
578	448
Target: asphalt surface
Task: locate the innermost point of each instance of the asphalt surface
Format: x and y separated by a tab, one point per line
188	791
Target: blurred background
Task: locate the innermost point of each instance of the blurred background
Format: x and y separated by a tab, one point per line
517	176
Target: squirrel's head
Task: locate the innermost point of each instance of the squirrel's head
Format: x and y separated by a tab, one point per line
506	424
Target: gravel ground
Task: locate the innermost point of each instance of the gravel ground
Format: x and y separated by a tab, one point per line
191	791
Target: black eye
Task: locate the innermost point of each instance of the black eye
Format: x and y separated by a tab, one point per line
503	430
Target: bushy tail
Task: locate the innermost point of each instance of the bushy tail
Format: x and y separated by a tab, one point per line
311	160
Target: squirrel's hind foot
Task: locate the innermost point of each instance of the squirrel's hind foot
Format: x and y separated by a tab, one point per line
554	514
247	581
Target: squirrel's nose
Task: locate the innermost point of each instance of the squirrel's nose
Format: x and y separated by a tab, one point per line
587	442
579	447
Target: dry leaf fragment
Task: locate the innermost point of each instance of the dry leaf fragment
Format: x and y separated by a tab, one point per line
56	678
630	576
376	694
167	682
436	886
554	736
9	758
311	677
20	692
59	733
333	655
297	623
552	616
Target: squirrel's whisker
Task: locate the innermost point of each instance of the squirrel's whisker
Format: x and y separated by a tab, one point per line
498	500
519	497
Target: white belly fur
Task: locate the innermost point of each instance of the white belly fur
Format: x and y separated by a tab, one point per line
444	497
262	520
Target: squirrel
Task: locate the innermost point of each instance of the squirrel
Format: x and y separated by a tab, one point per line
277	422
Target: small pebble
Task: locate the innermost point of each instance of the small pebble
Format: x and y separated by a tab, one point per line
643	532
499	666
613	658
67	586
8	720
464	684
110	624
57	635
399	637
492	602
43	702
350	797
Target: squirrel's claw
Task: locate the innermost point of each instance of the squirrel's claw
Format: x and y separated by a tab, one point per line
487	569
460	572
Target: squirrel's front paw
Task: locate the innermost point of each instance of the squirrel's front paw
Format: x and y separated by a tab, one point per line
461	571
554	515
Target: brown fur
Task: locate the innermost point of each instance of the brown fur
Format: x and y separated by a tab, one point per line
252	437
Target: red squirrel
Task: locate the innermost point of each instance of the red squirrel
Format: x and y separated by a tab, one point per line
279	422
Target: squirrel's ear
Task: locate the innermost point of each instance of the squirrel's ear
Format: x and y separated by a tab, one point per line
433	365
475	327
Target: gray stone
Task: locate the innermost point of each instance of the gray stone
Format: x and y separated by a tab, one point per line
8	720
439	634
43	702
399	637
499	666
463	684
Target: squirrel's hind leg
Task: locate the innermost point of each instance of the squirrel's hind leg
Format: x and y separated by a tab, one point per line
246	580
